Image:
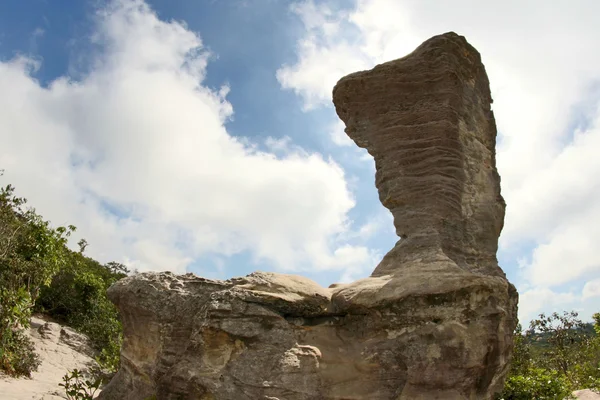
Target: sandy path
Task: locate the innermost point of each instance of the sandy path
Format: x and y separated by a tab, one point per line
61	350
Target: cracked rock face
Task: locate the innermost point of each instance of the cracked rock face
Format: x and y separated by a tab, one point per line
433	321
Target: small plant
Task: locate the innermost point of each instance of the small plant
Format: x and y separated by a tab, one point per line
77	387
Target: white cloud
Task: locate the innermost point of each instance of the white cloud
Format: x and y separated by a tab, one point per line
591	289
140	134
381	222
338	42
543	77
346	257
324	55
535	300
278	145
338	136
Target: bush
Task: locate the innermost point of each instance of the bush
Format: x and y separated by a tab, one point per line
558	354
540	384
18	356
77	297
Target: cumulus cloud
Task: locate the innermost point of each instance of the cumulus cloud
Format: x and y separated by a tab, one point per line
338	136
136	154
545	84
591	289
535	299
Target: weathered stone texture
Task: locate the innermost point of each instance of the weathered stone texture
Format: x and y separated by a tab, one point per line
435	319
427	121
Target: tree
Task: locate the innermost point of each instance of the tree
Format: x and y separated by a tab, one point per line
558	354
31	252
37	269
568	342
77	297
117	269
521	359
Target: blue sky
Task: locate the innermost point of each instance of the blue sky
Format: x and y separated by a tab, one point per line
199	135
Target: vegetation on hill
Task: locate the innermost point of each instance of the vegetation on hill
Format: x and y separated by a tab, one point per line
38	272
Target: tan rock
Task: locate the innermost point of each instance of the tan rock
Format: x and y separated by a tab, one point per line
435	319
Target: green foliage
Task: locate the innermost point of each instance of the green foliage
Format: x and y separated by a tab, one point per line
38	270
17	356
568	341
77	297
596	318
15	306
557	355
31	252
77	387
538	383
521	361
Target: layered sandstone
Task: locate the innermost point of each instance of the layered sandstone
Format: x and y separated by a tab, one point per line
435	319
427	121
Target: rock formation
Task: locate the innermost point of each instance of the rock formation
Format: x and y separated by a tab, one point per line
434	320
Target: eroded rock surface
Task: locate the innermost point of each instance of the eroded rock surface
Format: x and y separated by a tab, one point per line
427	121
435	319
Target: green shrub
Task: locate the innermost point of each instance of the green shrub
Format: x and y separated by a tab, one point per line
539	384
77	297
558	354
18	355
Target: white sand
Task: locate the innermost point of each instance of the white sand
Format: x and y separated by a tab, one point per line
61	350
586	394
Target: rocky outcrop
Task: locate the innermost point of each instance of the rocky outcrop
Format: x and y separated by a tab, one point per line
427	121
433	321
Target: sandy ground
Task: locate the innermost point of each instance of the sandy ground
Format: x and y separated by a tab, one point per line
586	394
61	350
